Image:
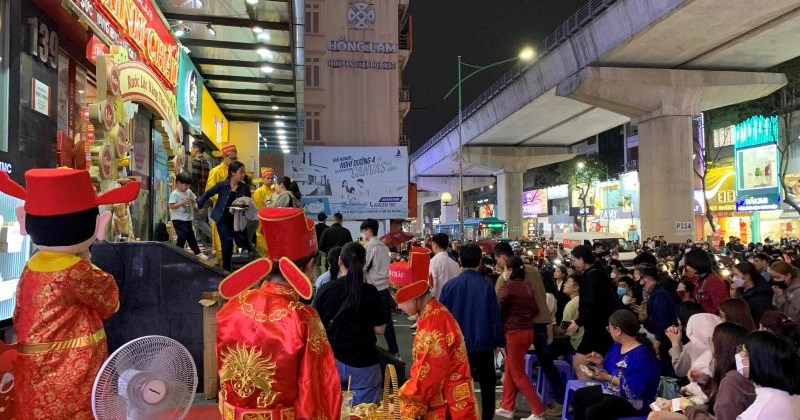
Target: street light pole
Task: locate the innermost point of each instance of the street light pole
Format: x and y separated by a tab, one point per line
460	156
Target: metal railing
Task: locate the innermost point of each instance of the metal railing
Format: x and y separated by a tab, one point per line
562	33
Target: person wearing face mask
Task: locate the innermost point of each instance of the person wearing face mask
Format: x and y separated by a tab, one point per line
786	289
661	310
731	393
625	286
710	290
685	291
753	289
771	363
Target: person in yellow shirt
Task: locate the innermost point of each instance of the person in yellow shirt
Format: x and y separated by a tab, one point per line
263	197
215	175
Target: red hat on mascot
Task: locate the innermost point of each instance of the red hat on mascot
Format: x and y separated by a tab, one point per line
410	280
290	237
61	204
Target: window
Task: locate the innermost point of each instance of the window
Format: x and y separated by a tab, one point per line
312	18
723	137
312	126
312	71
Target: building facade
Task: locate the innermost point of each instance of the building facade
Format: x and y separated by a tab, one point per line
355	53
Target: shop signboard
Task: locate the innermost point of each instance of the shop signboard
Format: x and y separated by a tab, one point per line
558	191
629	194
534	202
721	189
137	26
190	92
757	164
359	183
581	211
212	121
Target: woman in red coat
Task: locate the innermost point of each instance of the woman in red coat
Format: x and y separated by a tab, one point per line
710	289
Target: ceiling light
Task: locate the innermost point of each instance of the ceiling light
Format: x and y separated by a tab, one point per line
267	69
199	3
283	142
186	49
211	30
252	2
279	123
263	52
285	152
179	32
281	131
274	107
257	29
282	137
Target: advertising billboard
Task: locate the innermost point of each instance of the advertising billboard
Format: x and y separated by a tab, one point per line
190	91
757	163
359	183
534	203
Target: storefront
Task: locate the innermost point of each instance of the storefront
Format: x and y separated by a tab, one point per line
558	204
120	106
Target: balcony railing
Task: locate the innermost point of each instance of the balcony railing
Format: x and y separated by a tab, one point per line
573	24
405	32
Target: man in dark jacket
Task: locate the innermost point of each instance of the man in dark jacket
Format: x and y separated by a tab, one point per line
334	236
321	226
473	303
598	301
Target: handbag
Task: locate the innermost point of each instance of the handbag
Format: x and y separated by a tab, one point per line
389	409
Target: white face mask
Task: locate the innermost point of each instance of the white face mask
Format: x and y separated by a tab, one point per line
506	275
738	281
740	366
613	275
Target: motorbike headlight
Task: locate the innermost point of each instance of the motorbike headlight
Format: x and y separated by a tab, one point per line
530	252
716	257
726	272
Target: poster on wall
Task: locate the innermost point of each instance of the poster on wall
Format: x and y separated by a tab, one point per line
359	183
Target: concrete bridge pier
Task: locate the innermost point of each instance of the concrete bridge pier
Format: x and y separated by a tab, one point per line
663	102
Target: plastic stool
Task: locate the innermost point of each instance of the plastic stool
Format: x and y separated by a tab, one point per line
530	360
543	385
571	387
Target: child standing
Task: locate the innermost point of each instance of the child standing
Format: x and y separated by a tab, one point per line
182	202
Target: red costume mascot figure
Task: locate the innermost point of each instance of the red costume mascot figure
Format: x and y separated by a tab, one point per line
62	298
440	386
274	358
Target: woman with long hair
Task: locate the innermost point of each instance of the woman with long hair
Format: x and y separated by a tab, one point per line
332	258
288	193
771	362
731	393
752	288
779	323
517	310
352	313
628	374
227	191
737	311
786	289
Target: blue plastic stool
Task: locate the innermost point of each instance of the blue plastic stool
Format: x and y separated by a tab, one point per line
530	360
543	388
571	387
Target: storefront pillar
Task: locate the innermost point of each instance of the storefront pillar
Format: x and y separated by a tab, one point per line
755	226
509	201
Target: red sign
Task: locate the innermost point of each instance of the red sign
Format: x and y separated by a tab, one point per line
136	24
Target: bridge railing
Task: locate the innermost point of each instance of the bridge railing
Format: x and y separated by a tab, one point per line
562	33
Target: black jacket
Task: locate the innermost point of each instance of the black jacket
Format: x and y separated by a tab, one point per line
759	299
320	227
334	236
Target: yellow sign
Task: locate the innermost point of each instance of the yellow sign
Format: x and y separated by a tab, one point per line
213	121
720	189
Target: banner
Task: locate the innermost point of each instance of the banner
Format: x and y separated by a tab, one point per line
534	202
359	183
190	89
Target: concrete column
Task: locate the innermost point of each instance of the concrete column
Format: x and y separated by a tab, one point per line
509	201
666	177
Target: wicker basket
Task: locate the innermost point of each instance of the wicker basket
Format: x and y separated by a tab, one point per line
390	404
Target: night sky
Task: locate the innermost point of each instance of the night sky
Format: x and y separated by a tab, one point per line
483	32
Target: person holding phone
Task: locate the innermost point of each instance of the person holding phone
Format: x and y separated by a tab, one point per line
628	375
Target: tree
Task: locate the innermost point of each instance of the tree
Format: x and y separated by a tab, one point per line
706	159
580	173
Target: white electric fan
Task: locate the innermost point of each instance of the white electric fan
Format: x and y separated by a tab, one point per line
151	377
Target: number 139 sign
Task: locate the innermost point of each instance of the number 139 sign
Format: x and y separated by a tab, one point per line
43	42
